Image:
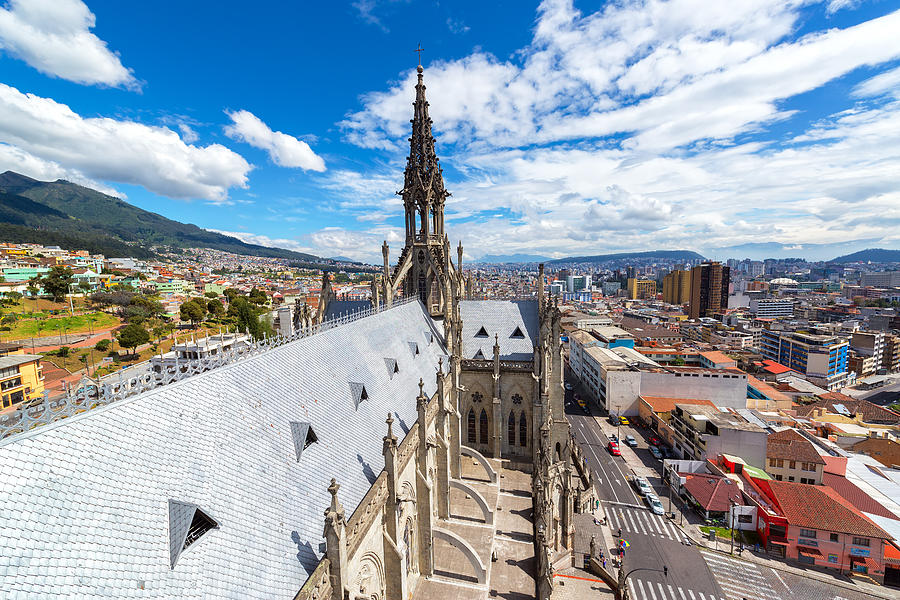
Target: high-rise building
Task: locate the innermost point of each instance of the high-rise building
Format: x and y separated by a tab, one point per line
709	289
821	358
881	279
629	272
641	289
677	287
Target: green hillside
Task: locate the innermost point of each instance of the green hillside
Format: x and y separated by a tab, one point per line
85	218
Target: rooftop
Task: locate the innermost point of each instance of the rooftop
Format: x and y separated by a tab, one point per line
14	360
820	507
790	445
662	404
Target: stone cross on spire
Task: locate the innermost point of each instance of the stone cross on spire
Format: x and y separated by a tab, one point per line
419	50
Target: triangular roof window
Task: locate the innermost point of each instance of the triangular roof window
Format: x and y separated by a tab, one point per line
482	332
429	337
392	368
479	355
358	393
187	524
414	348
303	436
517	333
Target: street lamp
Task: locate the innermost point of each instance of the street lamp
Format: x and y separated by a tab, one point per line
733	504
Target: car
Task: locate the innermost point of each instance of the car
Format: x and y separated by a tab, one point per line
568	386
613	437
613	448
666	451
655	505
656	453
623	421
613	419
630	441
643	488
654	441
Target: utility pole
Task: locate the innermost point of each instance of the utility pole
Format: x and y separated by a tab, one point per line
733	503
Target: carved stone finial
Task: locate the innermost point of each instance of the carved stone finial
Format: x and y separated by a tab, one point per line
390	423
440	365
421	387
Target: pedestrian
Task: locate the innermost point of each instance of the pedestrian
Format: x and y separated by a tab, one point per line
604	562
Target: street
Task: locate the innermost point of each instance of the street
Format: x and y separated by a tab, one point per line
654	541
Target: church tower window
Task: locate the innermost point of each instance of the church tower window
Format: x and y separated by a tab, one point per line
483	427
523	430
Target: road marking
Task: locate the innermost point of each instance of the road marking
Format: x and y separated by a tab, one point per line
780	579
652	593
662	591
702	597
611	514
672	591
641	585
681	591
631	585
691	592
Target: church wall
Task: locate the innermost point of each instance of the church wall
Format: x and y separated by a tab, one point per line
511	384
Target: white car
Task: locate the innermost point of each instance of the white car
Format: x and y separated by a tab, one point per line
655	505
643	488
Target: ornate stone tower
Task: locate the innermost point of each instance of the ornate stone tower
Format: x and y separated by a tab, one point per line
424	267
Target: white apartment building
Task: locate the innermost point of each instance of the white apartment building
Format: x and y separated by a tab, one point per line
772	308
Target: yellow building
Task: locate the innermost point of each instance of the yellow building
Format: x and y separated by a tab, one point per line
677	287
21	379
641	289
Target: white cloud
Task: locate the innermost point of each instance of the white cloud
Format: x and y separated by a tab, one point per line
187	134
836	5
616	130
16	159
884	83
54	37
330	241
283	149
120	151
264	240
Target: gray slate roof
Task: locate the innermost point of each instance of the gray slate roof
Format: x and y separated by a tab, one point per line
342	308
87	500
500	317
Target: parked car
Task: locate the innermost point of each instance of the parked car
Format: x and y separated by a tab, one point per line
643	488
630	441
623	421
655	505
613	419
613	448
666	451
654	441
656	453
613	437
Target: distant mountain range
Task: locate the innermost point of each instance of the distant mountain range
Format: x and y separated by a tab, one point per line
777	250
661	255
499	259
74	217
875	255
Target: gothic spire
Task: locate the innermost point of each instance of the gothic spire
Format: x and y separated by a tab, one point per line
423	182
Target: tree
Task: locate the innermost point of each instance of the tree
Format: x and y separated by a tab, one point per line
211	295
14	296
34	287
231	293
57	282
133	335
248	318
192	311
102	345
215	308
84	286
258	296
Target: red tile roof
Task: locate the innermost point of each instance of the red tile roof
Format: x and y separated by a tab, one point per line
766	390
820	507
661	404
850	492
712	492
868	411
775	368
790	445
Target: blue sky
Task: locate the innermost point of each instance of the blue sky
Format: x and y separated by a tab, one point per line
564	127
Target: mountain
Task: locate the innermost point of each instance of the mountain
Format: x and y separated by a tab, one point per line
777	250
875	255
75	217
499	259
660	255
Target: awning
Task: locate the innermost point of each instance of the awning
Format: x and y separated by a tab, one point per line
777	542
808	551
866	560
891	555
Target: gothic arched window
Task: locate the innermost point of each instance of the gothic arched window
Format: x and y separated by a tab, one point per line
483	426
511	429
523	430
471	426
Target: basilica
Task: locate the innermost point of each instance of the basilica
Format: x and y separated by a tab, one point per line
417	446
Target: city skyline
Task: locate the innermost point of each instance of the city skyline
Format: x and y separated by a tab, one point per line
570	129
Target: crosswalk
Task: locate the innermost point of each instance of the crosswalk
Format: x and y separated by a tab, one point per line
638	520
641	589
740	579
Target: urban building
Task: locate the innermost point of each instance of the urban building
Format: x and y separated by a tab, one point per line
869	344
703	432
610	288
575	283
881	279
772	308
890	356
21	378
792	457
821	358
709	290
677	287
641	289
